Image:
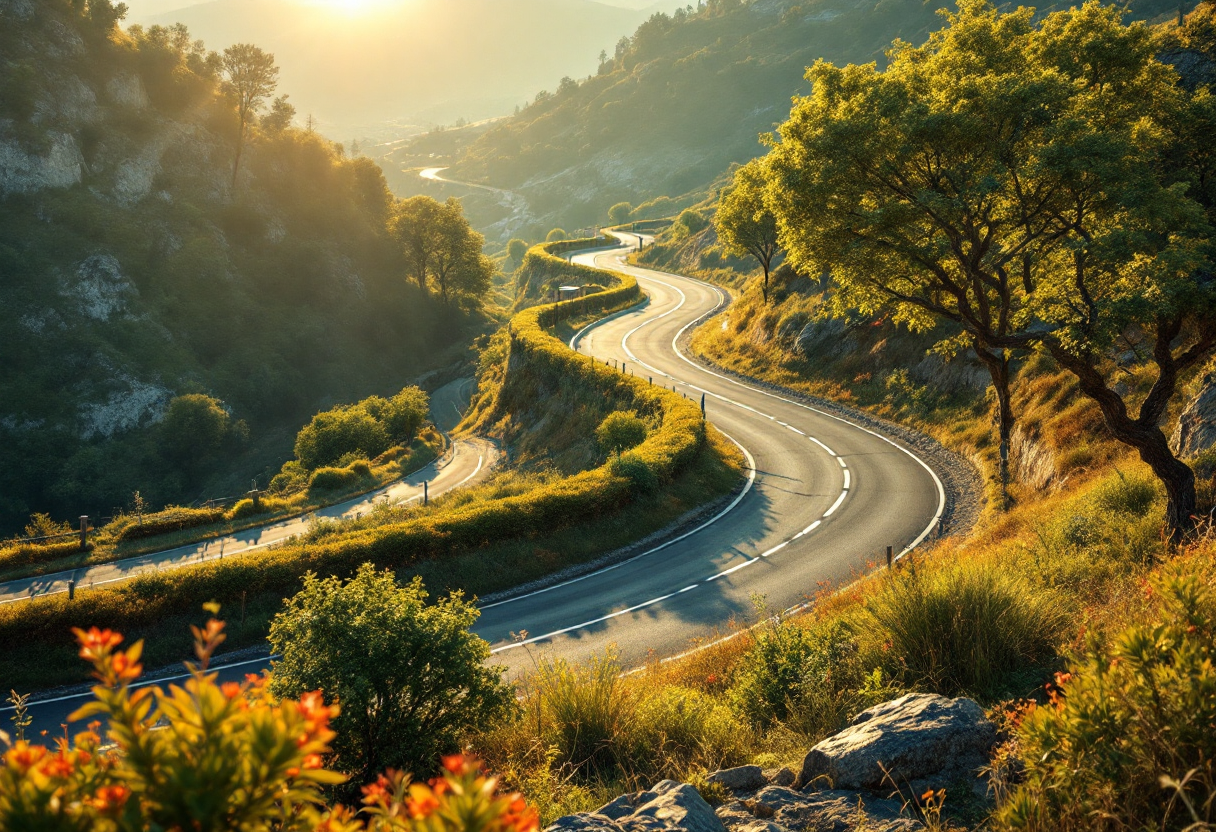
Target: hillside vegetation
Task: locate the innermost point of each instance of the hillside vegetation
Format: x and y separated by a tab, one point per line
680	100
526	524
139	265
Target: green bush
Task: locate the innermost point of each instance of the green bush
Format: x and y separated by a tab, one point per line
27	554
1133	710
333	479
585	713
244	508
1126	495
692	221
556	235
170	519
410	676
641	479
961	628
679	728
334	433
620	431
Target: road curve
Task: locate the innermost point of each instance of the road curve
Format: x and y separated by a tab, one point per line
470	461
826	496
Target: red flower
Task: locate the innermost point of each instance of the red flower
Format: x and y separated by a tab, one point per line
96	643
231	690
377	793
23	755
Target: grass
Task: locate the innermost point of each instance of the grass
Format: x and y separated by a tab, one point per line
108	547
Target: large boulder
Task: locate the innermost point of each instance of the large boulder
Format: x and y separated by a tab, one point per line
740	778
917	741
668	807
1196	431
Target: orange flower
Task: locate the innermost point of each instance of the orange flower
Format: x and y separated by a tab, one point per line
126	669
458	764
58	766
377	793
110	799
96	643
312	761
231	690
23	755
520	817
422	802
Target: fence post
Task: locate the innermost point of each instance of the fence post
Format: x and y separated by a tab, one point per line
426	494
702	407
84	531
890	557
72	590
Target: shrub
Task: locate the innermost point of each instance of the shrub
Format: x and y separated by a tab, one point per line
411	677
642	480
333	479
334	433
620	431
27	554
692	221
677	729
962	628
244	508
41	525
257	763
291	478
619	214
1132	712
556	235
169	519
1126	495
194	428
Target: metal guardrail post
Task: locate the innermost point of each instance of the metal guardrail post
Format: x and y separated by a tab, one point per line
890	557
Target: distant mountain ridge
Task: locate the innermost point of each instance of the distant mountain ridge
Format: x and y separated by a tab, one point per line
425	61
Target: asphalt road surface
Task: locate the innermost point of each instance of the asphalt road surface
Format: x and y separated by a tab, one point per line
470	461
823	498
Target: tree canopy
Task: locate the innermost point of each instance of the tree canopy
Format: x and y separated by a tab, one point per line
745	223
440	248
1014	179
250	78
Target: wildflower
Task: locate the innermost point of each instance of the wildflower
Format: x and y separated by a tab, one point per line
231	690
96	643
458	764
422	802
58	766
110	799
377	794
24	756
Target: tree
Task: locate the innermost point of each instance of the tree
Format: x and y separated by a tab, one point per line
556	235
620	431
332	434
411	225
619	214
280	115
1008	178
251	77
744	222
410	677
195	427
516	249
458	267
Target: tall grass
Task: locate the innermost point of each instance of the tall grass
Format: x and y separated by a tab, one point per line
967	628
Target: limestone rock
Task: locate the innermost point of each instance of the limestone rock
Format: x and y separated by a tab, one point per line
777	807
668	807
1196	431
920	739
740	778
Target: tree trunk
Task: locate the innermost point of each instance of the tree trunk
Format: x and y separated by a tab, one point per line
1147	438
240	146
998	370
765	286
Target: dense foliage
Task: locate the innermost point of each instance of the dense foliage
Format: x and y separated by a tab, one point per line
212	756
410	677
135	269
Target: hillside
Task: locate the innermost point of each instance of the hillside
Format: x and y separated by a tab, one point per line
684	97
399	68
134	270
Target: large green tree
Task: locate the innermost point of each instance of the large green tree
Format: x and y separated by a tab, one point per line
745	223
1012	178
409	676
439	247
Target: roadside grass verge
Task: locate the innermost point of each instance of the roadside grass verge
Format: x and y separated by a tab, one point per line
107	544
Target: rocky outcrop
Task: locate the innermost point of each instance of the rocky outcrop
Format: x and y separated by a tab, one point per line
22	172
867	777
918	741
1196	431
668	806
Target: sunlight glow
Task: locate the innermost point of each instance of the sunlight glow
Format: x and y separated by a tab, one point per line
354	7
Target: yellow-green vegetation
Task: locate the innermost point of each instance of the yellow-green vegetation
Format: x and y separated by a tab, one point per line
688	460
153	275
1078	582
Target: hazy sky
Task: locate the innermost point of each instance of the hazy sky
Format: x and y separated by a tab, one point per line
143	9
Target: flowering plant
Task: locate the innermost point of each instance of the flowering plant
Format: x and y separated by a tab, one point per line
211	756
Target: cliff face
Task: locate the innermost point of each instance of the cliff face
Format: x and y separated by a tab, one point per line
133	269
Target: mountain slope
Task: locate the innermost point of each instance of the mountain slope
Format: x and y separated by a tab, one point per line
686	96
133	270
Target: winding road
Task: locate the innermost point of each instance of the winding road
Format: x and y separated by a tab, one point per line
823	497
469	461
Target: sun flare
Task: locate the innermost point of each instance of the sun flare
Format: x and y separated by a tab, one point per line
354	7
